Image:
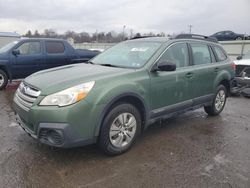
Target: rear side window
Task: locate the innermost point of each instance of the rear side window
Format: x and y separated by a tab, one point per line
221	56
177	54
201	54
54	47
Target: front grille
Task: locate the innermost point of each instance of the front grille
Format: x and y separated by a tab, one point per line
25	96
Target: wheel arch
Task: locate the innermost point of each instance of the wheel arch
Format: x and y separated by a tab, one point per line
225	83
131	98
223	78
3	68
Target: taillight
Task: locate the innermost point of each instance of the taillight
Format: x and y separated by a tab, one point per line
233	66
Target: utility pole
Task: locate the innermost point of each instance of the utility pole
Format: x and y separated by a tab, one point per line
131	33
190	28
96	32
123	32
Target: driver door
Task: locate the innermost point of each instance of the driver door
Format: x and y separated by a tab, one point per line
28	60
170	90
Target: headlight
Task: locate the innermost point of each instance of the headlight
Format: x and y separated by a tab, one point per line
68	96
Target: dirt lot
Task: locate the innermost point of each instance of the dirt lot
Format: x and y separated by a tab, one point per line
191	150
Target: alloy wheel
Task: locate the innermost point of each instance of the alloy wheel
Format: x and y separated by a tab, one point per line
220	100
122	130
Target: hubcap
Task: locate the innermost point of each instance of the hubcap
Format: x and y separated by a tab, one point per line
220	100
122	130
1	80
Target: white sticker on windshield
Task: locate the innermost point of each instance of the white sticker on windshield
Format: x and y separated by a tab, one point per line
139	49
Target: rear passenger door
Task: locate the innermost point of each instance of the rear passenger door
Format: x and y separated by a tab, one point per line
203	73
55	54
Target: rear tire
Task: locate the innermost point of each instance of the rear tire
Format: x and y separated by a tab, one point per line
219	102
120	129
239	38
3	79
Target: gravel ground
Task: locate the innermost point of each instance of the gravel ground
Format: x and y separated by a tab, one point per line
191	150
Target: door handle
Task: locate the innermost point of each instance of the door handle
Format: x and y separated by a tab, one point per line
189	75
216	69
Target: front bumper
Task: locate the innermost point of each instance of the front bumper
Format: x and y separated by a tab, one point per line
55	134
65	127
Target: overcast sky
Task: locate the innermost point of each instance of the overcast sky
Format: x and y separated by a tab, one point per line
169	16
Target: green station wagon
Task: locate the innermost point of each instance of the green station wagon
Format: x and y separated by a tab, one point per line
120	92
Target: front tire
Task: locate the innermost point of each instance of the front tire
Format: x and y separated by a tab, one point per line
3	79
120	129
219	102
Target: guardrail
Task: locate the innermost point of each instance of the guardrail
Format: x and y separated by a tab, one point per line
236	48
233	48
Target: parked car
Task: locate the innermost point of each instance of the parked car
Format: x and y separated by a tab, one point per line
242	79
229	35
23	57
120	92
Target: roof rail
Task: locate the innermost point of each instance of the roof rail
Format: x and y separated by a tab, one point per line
195	36
140	37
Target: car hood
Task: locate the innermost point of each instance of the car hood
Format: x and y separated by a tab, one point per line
60	78
242	62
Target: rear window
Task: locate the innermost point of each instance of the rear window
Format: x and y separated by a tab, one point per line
221	56
54	47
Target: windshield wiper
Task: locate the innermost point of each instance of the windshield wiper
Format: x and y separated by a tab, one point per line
109	65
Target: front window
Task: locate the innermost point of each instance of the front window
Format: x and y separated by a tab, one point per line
7	47
129	54
177	54
30	48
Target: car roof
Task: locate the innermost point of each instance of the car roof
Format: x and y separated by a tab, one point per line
9	34
167	39
41	39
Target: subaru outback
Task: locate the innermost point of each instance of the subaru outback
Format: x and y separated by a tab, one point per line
119	93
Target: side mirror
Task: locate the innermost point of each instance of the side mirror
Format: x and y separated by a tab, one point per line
165	66
16	52
239	57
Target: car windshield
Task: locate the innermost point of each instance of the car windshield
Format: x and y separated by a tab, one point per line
129	54
246	56
7	47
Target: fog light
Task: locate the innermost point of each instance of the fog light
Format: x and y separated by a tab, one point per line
55	137
52	136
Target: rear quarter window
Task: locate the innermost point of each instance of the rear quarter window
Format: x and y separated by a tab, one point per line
221	56
54	47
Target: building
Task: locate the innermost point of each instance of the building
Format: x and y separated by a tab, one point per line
7	37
